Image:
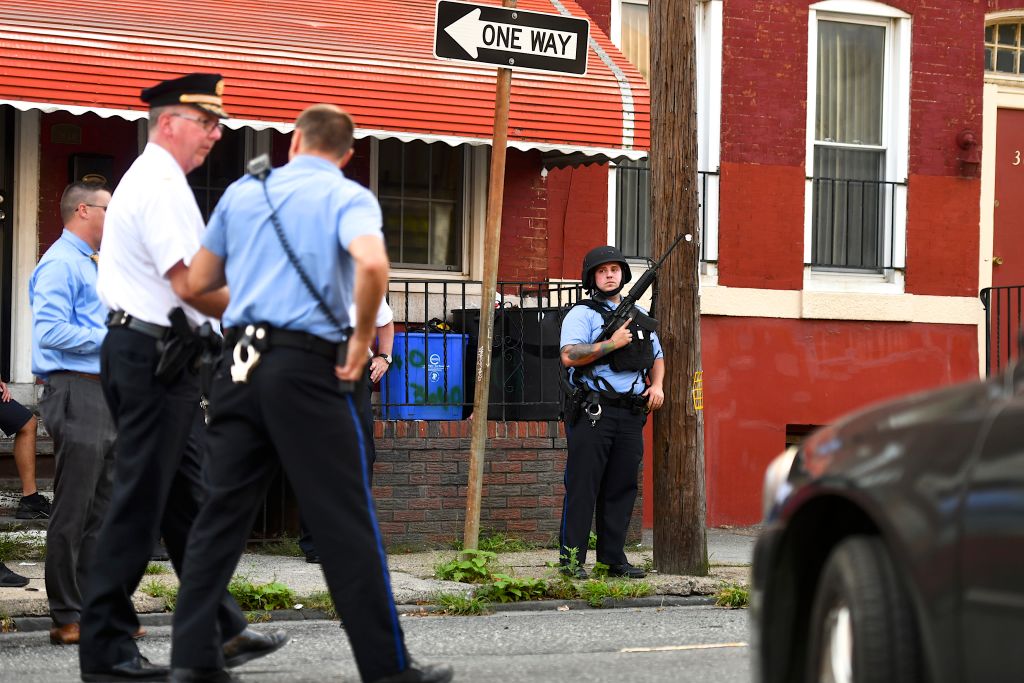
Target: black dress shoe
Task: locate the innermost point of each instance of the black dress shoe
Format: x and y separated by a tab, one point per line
313	558
9	579
627	571
249	645
136	669
201	676
421	673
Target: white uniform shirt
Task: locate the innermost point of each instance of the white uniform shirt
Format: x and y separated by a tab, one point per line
152	222
384	316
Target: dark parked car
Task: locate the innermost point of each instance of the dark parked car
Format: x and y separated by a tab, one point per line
894	544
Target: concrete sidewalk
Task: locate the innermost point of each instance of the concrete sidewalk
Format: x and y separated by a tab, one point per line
730	552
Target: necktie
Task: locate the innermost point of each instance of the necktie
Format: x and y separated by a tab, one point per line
95	257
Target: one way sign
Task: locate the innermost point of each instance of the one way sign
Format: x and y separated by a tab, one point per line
513	38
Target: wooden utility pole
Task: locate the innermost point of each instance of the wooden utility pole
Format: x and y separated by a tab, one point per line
680	543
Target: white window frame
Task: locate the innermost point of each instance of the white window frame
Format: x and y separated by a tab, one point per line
708	47
474	203
895	138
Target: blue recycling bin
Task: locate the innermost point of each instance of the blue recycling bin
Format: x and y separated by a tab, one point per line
425	379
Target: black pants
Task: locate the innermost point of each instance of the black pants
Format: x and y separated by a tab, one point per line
156	491
362	398
601	473
291	414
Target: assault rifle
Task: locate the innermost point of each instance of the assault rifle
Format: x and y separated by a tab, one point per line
627	307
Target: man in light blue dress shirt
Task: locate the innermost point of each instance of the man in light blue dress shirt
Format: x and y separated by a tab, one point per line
68	327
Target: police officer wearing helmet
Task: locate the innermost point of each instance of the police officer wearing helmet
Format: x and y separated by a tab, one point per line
615	384
278	401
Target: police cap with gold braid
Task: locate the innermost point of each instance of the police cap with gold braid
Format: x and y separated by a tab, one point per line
198	90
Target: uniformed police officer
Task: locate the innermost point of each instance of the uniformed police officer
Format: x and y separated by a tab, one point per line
280	402
152	230
615	384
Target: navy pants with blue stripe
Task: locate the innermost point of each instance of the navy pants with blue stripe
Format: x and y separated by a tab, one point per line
291	414
601	483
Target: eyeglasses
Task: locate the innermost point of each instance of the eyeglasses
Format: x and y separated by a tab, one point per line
207	124
97	206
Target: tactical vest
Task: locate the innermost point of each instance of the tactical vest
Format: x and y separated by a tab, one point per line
637	356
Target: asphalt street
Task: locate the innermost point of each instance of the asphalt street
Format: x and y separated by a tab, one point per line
640	645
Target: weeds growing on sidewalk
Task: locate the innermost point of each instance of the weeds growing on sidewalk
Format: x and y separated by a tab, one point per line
460	605
155	588
286	546
321	600
22	546
7	624
153	569
471	566
505	588
595	592
260	596
733	596
500	542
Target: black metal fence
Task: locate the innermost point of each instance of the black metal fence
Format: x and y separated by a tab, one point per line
1003	308
854	223
433	374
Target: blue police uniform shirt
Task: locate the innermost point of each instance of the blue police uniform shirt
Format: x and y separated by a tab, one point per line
68	318
582	325
321	212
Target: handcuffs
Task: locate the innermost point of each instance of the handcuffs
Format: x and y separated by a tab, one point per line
245	356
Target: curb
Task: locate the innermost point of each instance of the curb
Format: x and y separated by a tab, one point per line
35	624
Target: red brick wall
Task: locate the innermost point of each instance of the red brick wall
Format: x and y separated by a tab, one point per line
761	374
524	219
942	212
577	216
761	226
600	12
421	475
113	136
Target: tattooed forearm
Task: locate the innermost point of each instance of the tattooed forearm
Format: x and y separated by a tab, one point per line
589	352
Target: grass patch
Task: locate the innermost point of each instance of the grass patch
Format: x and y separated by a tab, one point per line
257	617
733	596
322	601
505	588
154	569
461	605
158	589
18	546
500	542
260	596
286	546
471	566
596	592
7	624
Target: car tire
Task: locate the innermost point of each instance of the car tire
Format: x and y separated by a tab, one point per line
862	629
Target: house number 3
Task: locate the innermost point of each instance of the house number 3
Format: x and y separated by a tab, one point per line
1016	157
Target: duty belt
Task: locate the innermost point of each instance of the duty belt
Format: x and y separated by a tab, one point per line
122	319
290	339
628	402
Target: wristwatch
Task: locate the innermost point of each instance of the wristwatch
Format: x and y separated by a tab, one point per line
386	357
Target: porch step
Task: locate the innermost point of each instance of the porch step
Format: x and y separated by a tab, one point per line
10	484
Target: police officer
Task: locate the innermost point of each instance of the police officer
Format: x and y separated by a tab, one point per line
280	403
152	230
614	384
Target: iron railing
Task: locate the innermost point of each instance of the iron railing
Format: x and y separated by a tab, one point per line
433	373
633	210
1003	308
854	223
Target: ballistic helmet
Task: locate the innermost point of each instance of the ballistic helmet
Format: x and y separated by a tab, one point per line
596	257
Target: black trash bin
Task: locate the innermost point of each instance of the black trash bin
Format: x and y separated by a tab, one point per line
524	362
